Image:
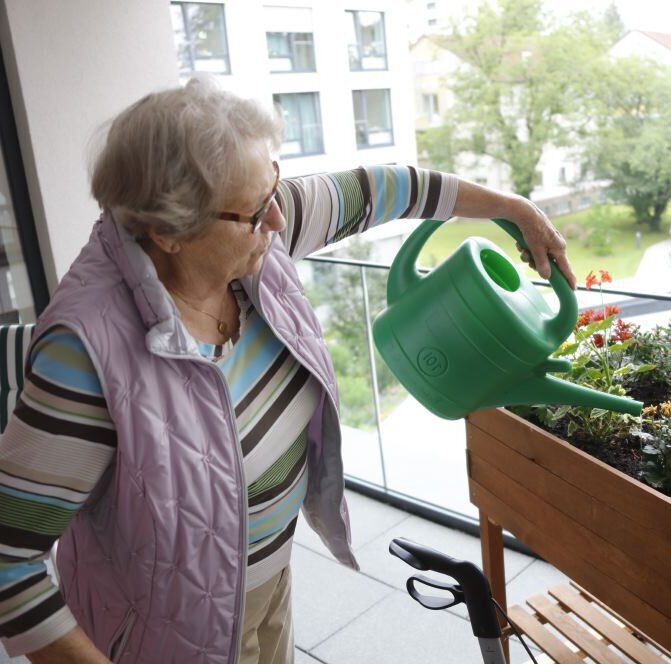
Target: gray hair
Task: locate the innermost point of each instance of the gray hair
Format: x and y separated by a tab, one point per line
173	159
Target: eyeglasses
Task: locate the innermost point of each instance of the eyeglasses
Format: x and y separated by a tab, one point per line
256	219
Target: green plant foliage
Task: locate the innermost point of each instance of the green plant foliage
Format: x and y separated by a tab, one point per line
612	356
337	294
655	437
652	347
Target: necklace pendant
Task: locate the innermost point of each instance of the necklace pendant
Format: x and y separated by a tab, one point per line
221	327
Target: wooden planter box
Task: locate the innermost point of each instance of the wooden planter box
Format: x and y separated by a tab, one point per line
609	533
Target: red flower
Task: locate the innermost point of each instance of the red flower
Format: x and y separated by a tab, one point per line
622	330
590	280
585	318
612	311
598	340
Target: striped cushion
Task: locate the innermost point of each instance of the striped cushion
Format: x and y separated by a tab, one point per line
14	343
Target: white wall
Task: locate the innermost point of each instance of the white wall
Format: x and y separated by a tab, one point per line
636	43
73	64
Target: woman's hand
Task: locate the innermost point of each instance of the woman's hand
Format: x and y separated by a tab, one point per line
542	238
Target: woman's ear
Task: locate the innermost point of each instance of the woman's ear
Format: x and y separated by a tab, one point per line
165	243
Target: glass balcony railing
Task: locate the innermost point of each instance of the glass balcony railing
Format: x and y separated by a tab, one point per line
393	448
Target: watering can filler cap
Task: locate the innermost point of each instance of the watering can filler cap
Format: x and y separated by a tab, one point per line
474	333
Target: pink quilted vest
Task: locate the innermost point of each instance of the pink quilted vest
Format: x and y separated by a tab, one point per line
153	566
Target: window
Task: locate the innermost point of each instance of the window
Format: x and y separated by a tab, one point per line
200	37
372	118
430	5
16	300
562	175
302	124
23	286
291	51
432	22
366	42
430	105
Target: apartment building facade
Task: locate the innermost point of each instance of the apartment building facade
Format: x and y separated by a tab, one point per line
339	71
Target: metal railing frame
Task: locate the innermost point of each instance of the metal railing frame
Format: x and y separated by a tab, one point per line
435	513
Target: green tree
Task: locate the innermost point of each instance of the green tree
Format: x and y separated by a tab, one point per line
614	23
632	144
524	83
438	147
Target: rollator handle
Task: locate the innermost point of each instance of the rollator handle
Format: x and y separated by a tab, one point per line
473	589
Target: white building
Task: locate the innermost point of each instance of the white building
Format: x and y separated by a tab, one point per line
340	71
653	45
334	68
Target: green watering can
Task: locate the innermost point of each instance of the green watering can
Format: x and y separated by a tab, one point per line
474	333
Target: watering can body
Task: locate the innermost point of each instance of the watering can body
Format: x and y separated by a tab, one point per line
474	333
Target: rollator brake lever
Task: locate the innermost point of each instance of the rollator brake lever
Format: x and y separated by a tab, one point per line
431	601
473	585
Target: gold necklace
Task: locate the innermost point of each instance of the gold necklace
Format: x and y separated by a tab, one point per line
222	327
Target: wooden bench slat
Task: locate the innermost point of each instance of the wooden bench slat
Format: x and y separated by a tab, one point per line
610	630
546	641
630	626
573	631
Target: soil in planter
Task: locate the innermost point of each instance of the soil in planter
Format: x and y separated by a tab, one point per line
622	454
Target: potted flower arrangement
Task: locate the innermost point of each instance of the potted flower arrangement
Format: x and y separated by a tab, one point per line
588	489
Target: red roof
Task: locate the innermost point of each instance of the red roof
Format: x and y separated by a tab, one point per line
664	38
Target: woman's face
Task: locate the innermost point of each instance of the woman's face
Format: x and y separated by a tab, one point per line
230	249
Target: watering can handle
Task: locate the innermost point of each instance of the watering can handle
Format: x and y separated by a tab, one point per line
563	323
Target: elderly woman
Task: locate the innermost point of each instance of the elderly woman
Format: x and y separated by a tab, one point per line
179	404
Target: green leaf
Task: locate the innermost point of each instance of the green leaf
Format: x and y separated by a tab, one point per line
599	326
567	349
572	427
620	345
627	368
581	360
597	413
644	367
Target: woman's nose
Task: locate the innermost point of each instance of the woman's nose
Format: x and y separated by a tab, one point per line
274	220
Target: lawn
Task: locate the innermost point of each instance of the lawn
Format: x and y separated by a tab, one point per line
611	223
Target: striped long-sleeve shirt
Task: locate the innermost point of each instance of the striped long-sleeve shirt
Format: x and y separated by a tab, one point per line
61	439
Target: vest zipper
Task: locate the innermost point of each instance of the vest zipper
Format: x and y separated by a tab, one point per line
121	636
245	520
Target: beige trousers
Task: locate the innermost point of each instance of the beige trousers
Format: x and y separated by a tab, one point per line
268	632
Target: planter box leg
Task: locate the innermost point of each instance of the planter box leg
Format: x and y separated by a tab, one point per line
491	540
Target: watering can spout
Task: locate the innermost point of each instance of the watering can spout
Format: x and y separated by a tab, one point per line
403	274
550	390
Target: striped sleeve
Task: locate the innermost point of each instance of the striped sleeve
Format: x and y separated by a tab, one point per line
57	444
325	208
